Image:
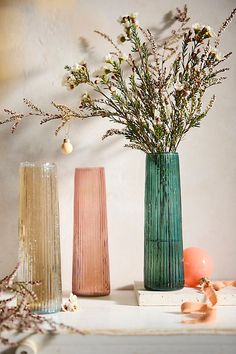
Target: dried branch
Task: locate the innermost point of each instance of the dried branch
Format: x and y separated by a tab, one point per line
64	114
19	318
107	38
224	25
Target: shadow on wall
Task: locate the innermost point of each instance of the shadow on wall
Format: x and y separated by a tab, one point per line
167	21
61	6
12	37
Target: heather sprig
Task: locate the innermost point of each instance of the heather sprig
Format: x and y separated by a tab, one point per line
154	94
161	97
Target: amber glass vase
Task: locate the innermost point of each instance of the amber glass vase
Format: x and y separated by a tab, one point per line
39	235
163	246
90	253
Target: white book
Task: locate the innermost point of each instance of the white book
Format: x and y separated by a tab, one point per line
226	296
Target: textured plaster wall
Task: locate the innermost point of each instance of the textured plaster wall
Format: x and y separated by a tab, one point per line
37	38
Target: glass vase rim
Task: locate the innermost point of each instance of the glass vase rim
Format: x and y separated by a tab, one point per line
162	153
89	168
38	164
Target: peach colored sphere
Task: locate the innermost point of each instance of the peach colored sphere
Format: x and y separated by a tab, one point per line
197	264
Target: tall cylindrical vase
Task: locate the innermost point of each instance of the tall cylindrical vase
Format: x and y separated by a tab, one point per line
163	246
39	235
90	254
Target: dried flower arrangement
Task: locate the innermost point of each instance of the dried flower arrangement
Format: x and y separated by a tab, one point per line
19	318
155	93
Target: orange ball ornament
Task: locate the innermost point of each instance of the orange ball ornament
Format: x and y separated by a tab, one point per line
197	264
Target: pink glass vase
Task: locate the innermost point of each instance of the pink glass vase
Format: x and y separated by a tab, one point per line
90	253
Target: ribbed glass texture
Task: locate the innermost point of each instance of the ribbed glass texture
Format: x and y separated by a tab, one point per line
39	235
90	255
163	246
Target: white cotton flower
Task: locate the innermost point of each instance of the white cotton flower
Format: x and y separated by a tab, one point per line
98	73
121	39
219	56
126	23
73	299
108	59
71	304
68	81
104	70
107	69
197	27
178	86
216	54
75	67
206	30
85	95
213	50
134	15
113	91
209	31
82	62
123	57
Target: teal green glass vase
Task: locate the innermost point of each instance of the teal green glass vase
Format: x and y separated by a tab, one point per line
163	244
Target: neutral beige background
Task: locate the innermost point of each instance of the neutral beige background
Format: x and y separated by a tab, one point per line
37	38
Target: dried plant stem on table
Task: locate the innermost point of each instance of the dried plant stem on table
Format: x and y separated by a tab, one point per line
19	318
154	95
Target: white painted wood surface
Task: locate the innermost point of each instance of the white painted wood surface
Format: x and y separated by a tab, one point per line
226	296
116	324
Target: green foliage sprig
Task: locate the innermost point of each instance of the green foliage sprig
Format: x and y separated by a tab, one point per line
154	94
